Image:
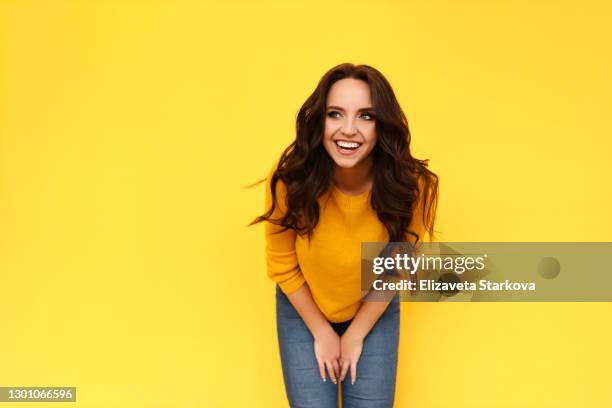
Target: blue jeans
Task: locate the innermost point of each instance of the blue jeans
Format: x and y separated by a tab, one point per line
376	369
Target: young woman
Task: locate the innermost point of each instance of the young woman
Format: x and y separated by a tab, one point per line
347	178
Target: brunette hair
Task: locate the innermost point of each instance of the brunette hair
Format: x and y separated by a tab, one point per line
306	168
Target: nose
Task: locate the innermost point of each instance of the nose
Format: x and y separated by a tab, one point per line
349	128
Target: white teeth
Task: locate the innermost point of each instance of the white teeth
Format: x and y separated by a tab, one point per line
348	145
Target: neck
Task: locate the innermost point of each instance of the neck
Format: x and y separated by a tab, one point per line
355	180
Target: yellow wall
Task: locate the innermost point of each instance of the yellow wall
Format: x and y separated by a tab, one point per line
127	129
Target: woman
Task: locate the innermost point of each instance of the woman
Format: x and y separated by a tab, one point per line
347	178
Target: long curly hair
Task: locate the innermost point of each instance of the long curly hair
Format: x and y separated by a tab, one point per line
306	168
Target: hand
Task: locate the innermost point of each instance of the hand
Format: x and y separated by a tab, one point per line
351	346
327	352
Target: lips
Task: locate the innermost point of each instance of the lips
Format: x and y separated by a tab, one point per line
347	148
345	144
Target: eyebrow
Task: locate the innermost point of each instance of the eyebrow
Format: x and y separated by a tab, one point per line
359	110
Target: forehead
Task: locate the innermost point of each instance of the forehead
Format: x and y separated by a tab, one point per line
349	93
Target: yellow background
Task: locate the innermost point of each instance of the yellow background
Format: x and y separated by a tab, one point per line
128	129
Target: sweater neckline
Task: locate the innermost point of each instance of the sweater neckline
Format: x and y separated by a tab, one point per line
350	200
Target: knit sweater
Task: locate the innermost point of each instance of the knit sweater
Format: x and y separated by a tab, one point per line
331	262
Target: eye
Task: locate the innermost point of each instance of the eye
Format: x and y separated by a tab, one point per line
369	115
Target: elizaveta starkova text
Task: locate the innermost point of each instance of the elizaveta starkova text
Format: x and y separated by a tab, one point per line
433	285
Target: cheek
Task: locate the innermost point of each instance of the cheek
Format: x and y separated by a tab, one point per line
371	145
328	129
370	133
371	137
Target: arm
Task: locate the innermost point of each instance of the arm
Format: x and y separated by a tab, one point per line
366	317
303	302
283	268
369	312
282	263
326	340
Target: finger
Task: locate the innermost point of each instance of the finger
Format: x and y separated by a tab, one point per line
336	368
353	372
321	369
330	371
344	369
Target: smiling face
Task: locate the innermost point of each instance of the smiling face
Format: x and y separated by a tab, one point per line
350	127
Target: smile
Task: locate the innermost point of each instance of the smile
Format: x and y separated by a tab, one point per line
347	148
347	145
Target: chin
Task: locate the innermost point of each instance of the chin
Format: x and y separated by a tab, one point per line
346	163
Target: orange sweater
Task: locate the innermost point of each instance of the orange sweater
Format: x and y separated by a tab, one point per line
331	264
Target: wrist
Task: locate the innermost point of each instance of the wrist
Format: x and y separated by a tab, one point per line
322	330
354	333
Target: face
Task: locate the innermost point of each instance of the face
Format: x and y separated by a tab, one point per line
350	131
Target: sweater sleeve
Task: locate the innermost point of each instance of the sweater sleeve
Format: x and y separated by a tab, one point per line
282	263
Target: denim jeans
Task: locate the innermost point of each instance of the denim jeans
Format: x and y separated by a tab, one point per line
376	368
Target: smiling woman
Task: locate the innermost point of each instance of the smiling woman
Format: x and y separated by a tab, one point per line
347	178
